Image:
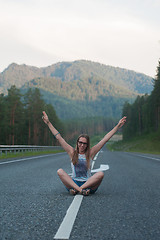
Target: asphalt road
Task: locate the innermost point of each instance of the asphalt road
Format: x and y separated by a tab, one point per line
33	201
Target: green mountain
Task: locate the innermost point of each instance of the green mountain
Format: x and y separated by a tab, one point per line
81	88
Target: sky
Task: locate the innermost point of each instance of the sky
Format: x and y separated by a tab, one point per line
119	33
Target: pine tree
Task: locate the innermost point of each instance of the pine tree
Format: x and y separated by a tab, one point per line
2	119
34	105
156	99
14	116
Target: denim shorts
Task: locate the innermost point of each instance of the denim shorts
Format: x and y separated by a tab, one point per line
80	183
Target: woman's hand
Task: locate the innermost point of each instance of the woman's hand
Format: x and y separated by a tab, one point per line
45	117
122	122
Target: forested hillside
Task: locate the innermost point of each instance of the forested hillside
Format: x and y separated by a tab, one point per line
18	75
80	102
79	89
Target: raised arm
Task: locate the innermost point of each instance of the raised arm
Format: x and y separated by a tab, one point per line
106	138
69	149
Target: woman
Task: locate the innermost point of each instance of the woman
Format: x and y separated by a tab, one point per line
81	181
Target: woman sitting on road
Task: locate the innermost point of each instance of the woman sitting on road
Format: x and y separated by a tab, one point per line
81	181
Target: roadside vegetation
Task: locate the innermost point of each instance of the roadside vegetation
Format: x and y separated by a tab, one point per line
141	133
28	154
143	118
149	143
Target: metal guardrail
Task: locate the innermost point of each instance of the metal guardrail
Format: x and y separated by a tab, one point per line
23	148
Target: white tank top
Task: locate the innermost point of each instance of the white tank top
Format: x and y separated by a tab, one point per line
80	172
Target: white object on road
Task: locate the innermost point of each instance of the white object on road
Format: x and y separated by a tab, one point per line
103	167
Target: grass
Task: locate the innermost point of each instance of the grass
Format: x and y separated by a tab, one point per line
145	144
28	154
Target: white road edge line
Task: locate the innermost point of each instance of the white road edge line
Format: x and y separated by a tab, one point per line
25	159
66	226
143	156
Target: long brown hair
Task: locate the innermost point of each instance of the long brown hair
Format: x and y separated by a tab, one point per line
87	151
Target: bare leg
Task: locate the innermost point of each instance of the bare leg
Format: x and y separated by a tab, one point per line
67	180
94	181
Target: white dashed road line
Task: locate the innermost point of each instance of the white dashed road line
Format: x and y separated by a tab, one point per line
143	156
66	226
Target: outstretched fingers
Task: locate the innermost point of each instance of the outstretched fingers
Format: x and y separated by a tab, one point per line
45	117
122	121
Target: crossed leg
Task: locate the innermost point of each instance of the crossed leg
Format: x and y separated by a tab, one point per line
93	182
67	180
